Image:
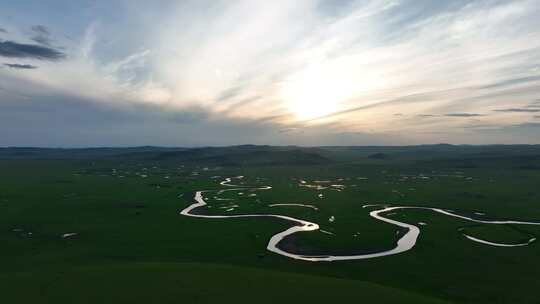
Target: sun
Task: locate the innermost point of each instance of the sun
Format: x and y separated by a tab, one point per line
316	92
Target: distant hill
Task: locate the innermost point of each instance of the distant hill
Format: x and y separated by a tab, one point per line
75	153
443	155
238	155
222	156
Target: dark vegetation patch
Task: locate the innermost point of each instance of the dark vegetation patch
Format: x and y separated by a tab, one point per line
466	194
505	234
295	244
379	156
159	185
130	205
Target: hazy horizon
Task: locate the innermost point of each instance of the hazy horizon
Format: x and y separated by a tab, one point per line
255	145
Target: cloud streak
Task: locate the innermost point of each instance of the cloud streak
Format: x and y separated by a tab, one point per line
13	49
518	110
463	115
42	35
20	66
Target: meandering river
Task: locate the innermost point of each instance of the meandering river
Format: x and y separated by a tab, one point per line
405	243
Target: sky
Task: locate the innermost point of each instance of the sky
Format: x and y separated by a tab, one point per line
303	72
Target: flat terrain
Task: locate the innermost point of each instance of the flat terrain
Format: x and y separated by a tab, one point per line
103	225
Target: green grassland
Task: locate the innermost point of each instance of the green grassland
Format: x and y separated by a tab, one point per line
134	247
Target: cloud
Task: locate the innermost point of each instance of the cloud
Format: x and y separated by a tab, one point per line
42	40
41	30
32	51
229	93
463	115
535	104
2	30
511	82
20	66
287	130
188	116
360	61
533	125
518	110
42	35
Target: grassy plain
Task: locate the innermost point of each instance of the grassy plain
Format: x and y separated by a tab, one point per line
132	246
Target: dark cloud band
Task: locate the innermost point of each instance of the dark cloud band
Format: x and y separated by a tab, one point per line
519	110
20	50
463	115
20	66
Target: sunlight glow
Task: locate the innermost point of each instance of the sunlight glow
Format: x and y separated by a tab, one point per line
316	92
